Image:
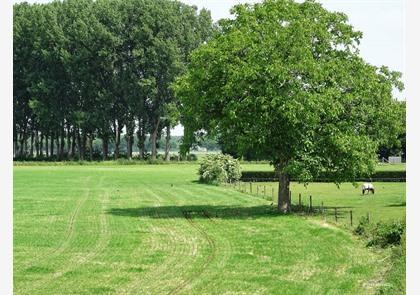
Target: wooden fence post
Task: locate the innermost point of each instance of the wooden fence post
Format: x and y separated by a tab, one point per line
264	190
272	193
258	190
310	203
351	218
250	187
335	213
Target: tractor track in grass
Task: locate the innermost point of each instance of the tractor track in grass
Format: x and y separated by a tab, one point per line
172	247
103	238
177	248
222	247
99	259
69	233
209	240
77	261
210	258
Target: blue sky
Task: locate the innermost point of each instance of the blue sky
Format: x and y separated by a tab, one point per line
381	21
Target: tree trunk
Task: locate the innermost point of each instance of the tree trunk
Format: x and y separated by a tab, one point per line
141	137
83	144
73	144
117	132
62	137
283	196
79	146
104	148
91	147
31	152
52	144
129	147
57	140
21	145
17	145
14	140
168	143
14	146
153	139
25	144
46	146
130	138
41	144
68	141
36	144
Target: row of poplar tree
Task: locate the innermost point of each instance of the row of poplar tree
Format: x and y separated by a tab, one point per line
87	69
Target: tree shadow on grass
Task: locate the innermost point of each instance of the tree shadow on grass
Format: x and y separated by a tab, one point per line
198	211
222	212
402	204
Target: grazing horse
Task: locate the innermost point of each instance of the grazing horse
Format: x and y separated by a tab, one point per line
368	187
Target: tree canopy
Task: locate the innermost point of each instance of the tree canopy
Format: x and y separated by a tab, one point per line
86	69
286	80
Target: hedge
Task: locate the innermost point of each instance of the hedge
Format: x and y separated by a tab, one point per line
386	176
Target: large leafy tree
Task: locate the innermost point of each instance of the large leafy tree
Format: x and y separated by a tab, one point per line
286	80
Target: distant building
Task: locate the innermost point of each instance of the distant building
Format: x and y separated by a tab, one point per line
394	160
200	149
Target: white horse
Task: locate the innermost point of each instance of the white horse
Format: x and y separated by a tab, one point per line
367	186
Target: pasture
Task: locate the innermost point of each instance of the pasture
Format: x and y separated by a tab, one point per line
152	229
388	202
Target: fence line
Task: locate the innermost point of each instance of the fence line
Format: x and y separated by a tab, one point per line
333	213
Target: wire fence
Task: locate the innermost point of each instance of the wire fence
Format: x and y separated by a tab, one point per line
306	205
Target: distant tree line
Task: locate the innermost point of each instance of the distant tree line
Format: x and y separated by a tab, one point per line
86	70
174	144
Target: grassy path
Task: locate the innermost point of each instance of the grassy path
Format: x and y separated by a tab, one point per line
153	230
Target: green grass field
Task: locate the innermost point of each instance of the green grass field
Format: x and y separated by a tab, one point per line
152	229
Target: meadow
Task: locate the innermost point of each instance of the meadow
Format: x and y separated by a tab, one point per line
387	204
153	229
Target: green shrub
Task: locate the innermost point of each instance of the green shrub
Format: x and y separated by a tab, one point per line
387	234
382	234
395	276
363	227
192	157
218	168
174	157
